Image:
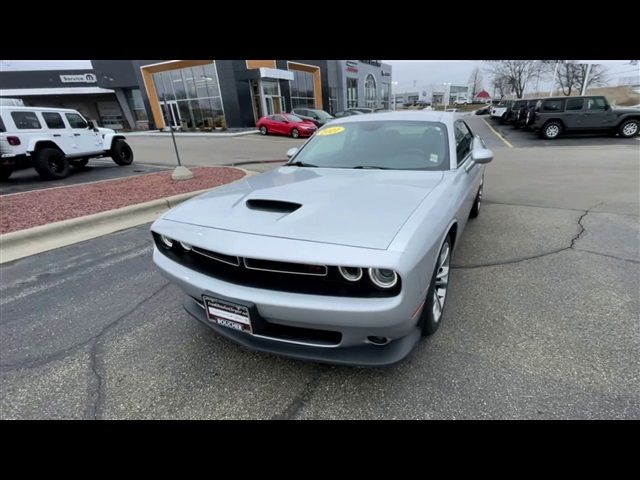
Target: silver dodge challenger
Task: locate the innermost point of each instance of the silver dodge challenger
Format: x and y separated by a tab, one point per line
342	254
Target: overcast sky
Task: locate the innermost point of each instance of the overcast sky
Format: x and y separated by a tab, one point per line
419	75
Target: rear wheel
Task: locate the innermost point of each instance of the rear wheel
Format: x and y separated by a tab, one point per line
551	130
263	130
121	152
295	133
5	173
437	294
51	164
628	129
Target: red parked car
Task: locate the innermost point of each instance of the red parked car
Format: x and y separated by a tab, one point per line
286	124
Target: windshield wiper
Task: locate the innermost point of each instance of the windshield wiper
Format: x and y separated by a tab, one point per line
299	164
374	167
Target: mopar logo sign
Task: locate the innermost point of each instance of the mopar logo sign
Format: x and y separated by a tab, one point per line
81	78
352	66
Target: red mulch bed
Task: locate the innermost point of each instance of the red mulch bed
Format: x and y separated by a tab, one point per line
39	207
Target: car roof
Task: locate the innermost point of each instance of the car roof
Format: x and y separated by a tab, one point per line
416	115
36	109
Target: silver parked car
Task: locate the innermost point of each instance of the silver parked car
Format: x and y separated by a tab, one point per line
341	255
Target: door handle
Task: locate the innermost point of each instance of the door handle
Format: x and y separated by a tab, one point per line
76	134
56	134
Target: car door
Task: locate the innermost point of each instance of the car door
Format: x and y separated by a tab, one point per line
84	139
278	124
597	114
574	113
60	133
466	183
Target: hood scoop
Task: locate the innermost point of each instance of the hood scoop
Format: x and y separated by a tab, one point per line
276	206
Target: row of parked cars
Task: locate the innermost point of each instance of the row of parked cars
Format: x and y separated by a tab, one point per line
303	122
551	117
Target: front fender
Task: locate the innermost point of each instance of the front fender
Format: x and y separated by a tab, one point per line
107	140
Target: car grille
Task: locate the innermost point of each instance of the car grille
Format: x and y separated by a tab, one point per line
272	275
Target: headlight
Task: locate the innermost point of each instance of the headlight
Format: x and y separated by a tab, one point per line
166	241
186	246
352	274
383	277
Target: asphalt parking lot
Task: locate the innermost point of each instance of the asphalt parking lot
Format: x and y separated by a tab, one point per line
541	320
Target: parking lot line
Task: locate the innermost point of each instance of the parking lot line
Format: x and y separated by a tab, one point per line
497	134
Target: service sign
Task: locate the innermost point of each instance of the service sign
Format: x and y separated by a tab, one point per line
80	78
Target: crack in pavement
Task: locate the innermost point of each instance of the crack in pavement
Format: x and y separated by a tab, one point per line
302	398
575	238
607	255
94	409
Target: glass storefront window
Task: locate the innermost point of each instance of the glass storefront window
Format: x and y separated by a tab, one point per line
370	91
196	90
178	85
302	91
352	92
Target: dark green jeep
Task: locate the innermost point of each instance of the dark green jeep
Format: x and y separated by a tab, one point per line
555	115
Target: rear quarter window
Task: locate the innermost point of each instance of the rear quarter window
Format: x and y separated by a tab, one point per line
26	120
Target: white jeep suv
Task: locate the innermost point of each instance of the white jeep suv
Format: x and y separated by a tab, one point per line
53	139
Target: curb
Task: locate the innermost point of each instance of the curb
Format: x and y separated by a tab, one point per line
31	241
159	134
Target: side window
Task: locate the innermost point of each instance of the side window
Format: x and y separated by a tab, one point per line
556	105
278	118
76	121
53	120
595	104
575	103
464	141
25	120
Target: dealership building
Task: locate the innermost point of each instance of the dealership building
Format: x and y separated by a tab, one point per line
195	94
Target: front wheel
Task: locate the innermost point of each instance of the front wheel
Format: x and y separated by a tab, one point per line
437	294
628	129
263	130
475	210
295	133
551	130
121	153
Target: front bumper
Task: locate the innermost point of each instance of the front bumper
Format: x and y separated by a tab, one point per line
356	319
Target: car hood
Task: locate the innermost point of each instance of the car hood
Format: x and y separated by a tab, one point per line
362	208
623	110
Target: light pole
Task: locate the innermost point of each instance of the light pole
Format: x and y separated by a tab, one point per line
447	93
393	96
586	80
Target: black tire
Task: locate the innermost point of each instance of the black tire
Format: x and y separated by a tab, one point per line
51	164
629	128
503	119
121	152
79	163
428	318
263	130
551	130
475	210
5	173
295	133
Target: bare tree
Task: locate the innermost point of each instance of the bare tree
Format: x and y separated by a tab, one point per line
517	73
501	85
571	76
476	82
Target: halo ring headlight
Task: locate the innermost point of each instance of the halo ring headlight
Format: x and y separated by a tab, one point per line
166	241
186	246
351	274
383	277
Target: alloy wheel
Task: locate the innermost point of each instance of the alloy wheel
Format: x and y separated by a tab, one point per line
441	283
552	131
630	129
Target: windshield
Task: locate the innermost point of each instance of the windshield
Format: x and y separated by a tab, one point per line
322	114
397	145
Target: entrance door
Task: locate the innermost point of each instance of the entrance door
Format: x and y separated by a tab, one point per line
172	117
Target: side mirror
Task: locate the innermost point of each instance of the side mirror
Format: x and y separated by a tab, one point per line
606	107
291	152
93	125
